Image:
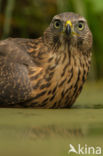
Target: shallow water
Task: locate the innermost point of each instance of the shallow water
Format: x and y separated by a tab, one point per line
37	132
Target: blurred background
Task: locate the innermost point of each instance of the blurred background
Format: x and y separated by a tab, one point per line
29	18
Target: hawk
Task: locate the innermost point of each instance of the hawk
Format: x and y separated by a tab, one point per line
47	72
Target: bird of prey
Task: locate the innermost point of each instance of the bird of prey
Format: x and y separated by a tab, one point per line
47	72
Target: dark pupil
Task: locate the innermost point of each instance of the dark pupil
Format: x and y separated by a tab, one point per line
57	24
80	25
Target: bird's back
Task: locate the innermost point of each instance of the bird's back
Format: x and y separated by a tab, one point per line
15	62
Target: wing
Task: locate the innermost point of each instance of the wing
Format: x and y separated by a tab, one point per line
15	83
18	50
15	64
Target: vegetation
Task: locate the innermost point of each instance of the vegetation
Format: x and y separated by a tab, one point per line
29	18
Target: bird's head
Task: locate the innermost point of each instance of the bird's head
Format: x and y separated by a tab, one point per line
69	28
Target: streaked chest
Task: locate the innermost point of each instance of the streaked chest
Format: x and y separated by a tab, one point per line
60	81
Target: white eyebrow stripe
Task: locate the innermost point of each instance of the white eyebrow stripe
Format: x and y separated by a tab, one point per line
82	19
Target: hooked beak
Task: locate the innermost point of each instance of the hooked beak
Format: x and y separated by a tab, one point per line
68	27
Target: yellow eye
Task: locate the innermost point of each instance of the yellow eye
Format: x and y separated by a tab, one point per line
80	26
57	24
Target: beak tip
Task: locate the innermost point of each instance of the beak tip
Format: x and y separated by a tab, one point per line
68	29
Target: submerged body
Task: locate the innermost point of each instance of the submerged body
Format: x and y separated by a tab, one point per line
48	72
